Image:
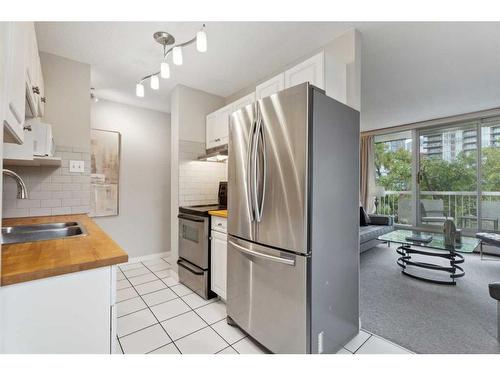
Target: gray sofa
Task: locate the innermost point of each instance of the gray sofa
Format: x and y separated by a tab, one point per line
379	225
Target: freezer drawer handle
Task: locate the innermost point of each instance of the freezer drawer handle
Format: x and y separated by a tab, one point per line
189	268
289	262
185	217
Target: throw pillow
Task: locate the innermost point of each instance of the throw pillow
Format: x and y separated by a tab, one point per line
364	219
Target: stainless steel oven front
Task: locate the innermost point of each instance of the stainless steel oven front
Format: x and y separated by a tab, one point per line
193	239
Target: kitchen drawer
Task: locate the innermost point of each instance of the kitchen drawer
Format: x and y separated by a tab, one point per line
194	278
219	224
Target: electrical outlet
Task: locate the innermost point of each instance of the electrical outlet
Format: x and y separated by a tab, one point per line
77	166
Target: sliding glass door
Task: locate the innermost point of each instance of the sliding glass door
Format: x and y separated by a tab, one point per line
425	176
447	176
490	175
393	176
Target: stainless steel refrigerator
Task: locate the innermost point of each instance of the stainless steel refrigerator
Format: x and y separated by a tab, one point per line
293	206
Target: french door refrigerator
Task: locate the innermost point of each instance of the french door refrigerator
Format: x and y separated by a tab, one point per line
293	219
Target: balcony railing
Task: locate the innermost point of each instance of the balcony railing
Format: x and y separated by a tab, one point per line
461	206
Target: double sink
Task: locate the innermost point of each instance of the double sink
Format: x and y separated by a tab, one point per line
42	232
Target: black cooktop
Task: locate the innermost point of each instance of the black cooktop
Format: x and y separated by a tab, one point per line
201	210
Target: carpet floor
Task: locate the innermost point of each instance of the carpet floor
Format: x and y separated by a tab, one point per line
429	318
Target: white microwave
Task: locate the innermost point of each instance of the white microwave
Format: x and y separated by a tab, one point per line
43	141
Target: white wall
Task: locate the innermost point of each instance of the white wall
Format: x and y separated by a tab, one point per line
189	110
143	224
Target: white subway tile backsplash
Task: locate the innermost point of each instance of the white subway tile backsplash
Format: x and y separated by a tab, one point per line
50	203
15	212
51	190
40	211
61	211
62	194
198	180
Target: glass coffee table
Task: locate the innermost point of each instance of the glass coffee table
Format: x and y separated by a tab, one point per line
433	250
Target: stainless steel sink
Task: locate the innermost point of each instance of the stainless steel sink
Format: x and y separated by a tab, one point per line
42	232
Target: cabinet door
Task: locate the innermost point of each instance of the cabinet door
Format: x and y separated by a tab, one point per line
16	87
41	86
211	124
311	70
244	101
270	87
32	63
218	127
219	263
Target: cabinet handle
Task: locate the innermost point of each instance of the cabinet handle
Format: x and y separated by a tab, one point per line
36	90
217	140
43	99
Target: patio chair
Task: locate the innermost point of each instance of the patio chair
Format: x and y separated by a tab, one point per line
432	212
404	211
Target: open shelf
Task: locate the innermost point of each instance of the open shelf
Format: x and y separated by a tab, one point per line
38	161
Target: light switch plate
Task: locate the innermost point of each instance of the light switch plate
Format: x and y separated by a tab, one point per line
76	166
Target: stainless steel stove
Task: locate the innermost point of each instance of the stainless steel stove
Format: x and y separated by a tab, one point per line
194	244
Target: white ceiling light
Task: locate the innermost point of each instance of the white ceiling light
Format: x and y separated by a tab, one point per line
139	90
166	39
165	70
201	41
155	82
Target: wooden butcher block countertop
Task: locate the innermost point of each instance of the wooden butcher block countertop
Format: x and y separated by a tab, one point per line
220	213
37	260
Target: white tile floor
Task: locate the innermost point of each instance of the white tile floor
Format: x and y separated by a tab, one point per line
158	315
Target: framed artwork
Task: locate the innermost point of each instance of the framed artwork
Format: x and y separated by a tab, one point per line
104	172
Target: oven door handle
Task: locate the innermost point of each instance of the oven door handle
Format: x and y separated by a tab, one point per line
186	217
188	267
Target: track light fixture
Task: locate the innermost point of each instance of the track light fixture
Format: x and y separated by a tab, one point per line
166	39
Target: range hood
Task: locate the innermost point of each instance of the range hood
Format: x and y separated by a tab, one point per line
217	154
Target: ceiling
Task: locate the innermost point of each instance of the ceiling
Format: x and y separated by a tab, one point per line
239	53
410	71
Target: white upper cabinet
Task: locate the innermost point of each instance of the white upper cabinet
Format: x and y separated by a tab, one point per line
15	95
24	81
244	101
312	70
217	127
271	86
34	78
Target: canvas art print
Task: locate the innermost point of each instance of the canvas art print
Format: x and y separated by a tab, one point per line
105	171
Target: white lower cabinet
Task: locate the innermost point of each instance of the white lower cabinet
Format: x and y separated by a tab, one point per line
66	314
218	268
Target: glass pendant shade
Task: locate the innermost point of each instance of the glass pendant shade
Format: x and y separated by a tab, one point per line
155	82
139	90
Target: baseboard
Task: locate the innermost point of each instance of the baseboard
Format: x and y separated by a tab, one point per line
149	257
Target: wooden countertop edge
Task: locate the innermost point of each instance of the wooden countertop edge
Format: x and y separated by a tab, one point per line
108	252
63	270
219	213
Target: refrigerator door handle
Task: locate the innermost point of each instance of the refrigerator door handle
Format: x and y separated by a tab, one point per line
255	198
264	167
288	262
250	168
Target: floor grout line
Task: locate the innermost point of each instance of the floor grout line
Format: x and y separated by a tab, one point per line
156	318
190	309
364	342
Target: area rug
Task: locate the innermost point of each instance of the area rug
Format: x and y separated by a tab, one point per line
429	318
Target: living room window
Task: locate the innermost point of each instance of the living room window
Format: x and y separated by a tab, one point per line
424	176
